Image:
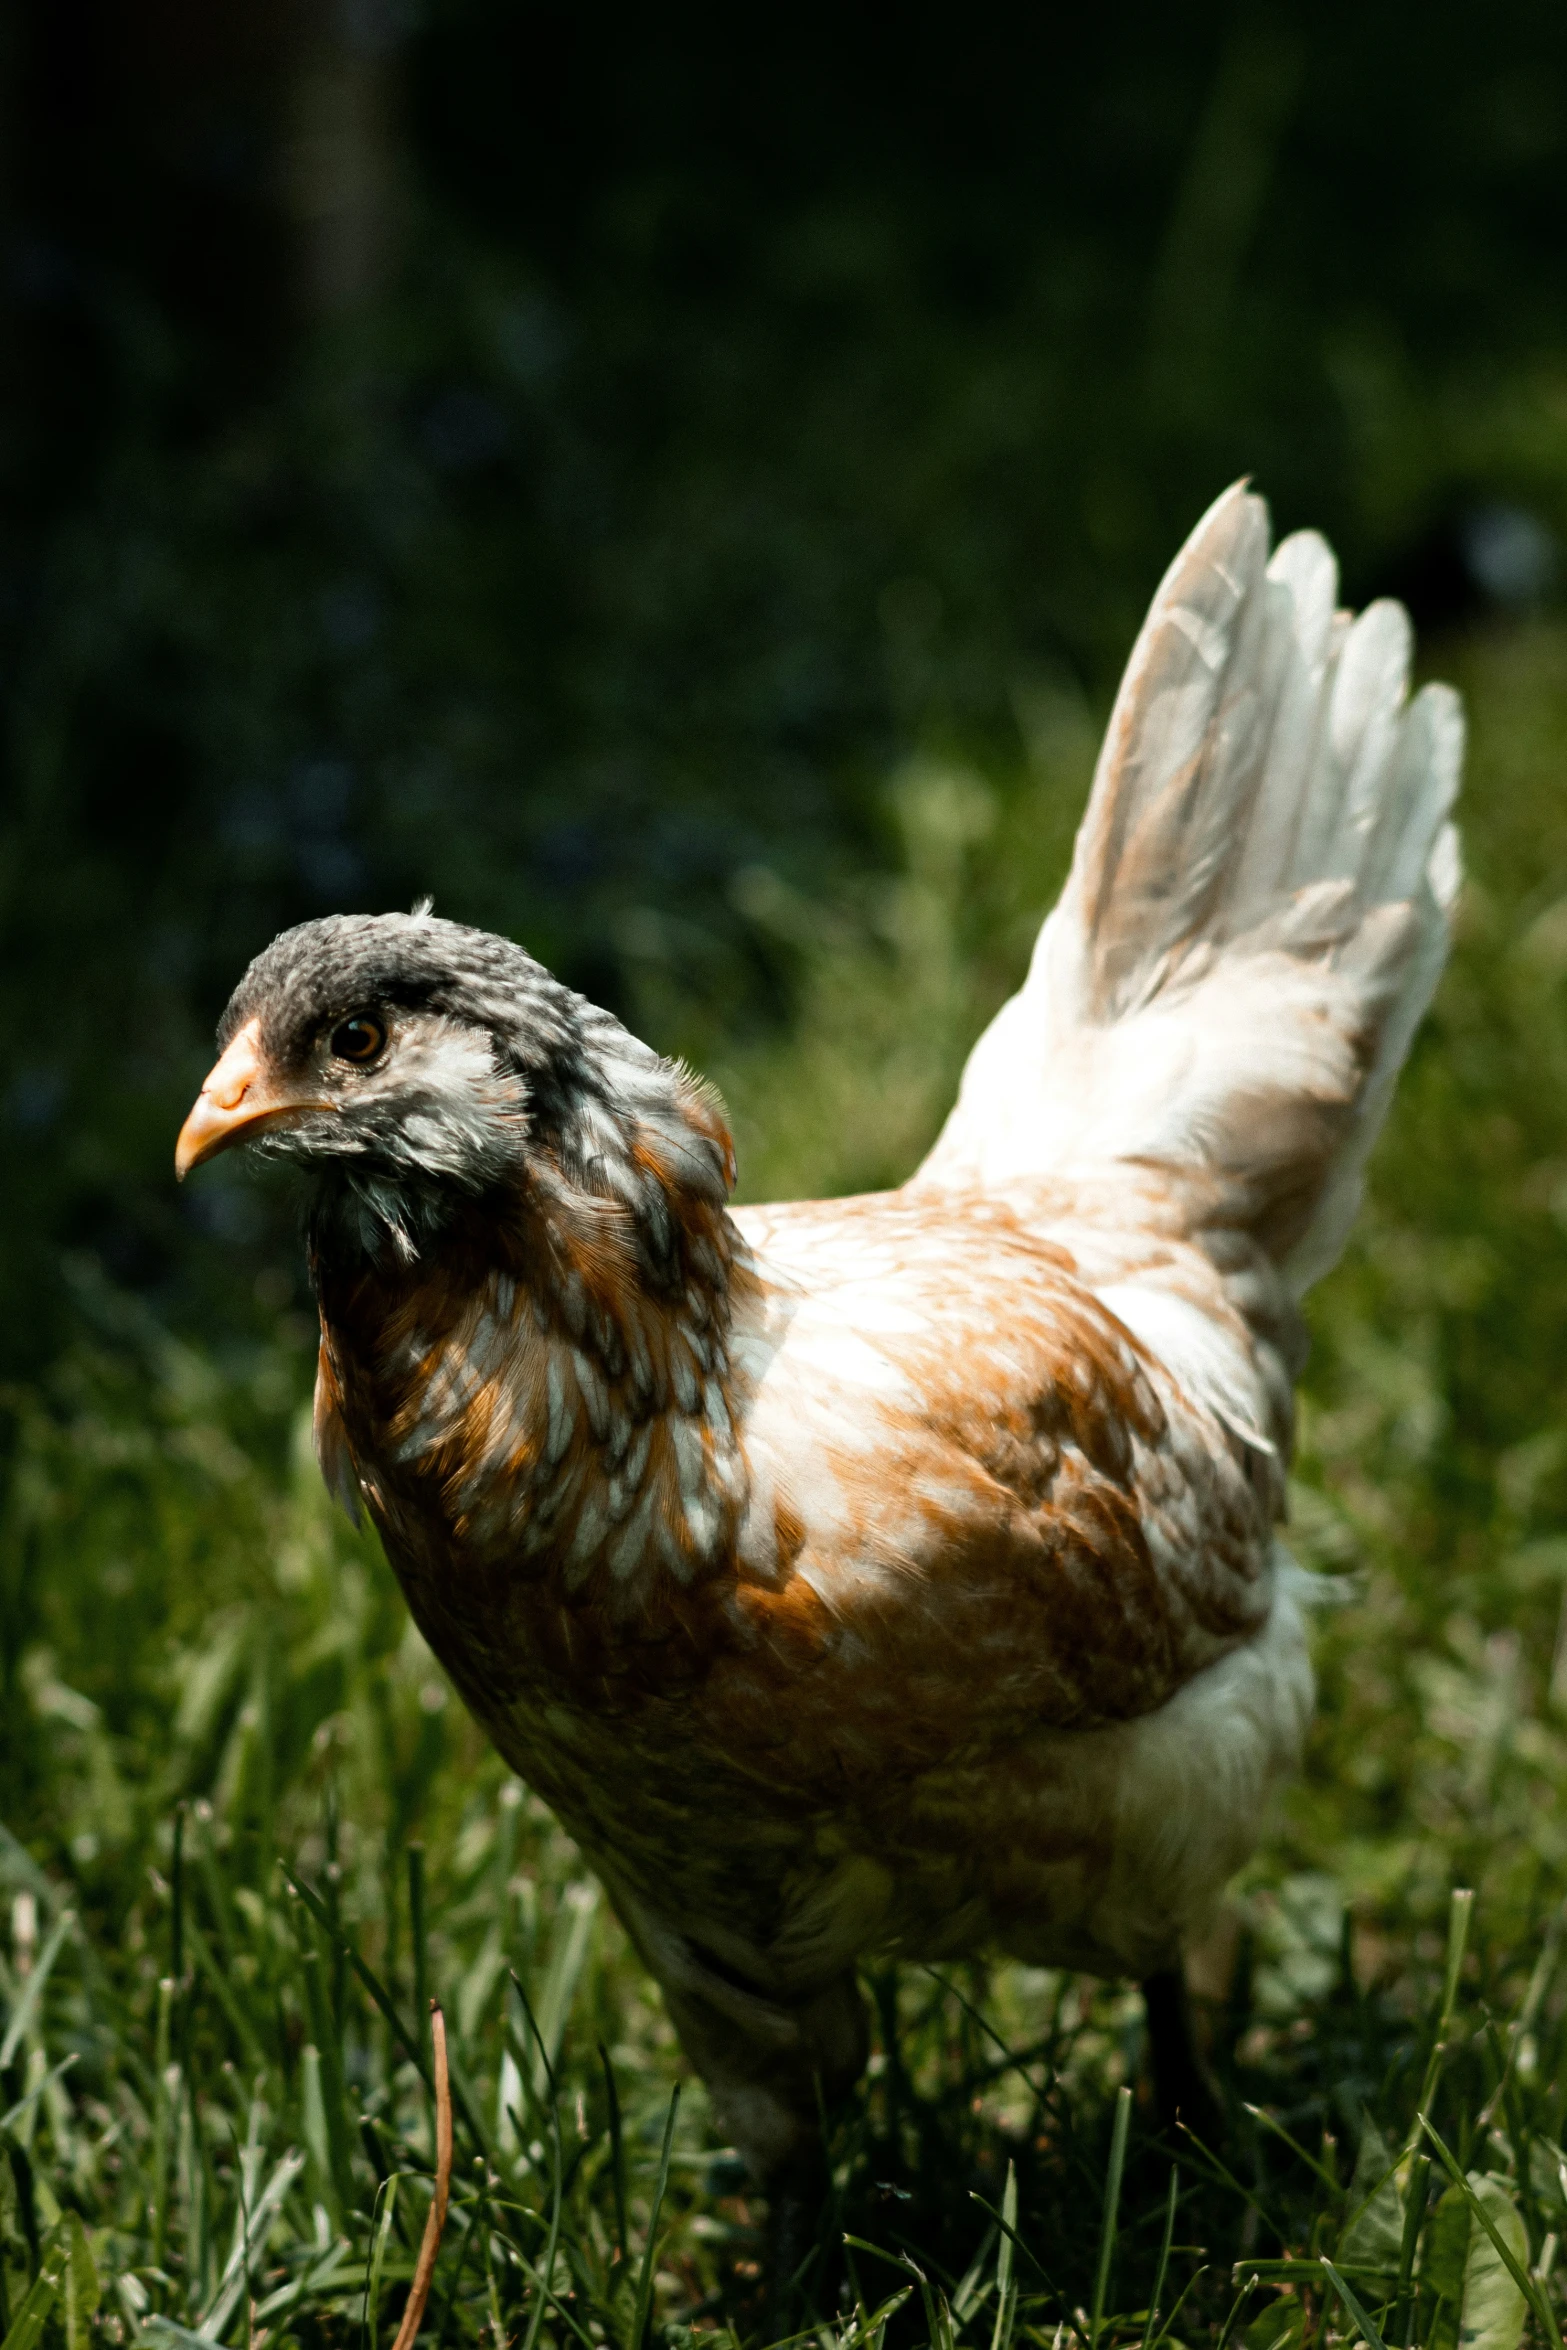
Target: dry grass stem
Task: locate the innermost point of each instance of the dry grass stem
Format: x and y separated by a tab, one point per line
435	2223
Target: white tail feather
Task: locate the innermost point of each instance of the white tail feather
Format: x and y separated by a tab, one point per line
1258	907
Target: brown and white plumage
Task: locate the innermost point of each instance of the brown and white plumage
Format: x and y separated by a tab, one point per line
892	1574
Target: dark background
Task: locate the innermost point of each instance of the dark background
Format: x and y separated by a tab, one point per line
561	458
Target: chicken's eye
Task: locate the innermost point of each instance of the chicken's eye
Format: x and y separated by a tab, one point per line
359	1040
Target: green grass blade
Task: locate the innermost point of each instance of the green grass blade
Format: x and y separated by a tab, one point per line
1227	2178
970	2291
419	1936
1237	2305
644	2301
162	2121
1533	2292
1155	2297
557	2188
617	2150
910	2267
191	2180
367	1976
1534	1996
17	2120
535	2034
82	2288
1112	2205
1011	2059
251	2248
312	2105
1414	2216
323	2025
33	2314
1167	2331
1260	2114
548	2298
177	1897
1006	2262
165	2329
569	1948
880	2252
461	2100
217	1981
1357	2314
33	1989
380	2236
1460	1909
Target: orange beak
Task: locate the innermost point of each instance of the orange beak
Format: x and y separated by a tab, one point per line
236	1103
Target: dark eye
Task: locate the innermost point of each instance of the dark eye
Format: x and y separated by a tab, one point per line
359	1040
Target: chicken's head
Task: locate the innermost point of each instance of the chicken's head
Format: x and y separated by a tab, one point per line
411	1063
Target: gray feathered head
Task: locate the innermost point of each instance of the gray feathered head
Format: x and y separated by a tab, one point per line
409	1061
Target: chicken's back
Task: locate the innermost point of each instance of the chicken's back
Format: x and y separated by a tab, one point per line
937	1406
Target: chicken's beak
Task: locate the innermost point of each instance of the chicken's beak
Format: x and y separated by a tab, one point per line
238	1100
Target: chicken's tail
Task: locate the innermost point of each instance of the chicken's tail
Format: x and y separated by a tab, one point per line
1257	913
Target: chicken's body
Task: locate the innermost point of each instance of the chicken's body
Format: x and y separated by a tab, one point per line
965	1629
897	1574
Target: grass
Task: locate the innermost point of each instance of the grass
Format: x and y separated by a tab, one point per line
250	1835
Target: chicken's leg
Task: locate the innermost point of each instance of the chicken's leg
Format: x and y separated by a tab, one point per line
773	2069
1183	2093
796	2277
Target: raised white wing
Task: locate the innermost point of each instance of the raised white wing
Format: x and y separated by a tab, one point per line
1257	911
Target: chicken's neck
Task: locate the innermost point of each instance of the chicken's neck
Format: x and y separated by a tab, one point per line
550	1382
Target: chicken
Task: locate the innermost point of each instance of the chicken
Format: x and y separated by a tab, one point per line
897	1574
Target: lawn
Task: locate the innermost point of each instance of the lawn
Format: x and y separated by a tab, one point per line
250	1834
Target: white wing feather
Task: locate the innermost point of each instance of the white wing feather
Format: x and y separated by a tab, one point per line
1258	907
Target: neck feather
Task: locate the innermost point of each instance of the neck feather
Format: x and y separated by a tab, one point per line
551	1380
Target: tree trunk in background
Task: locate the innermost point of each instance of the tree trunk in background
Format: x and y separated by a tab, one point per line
339	164
237	164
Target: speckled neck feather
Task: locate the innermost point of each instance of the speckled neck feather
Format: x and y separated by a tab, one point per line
549	1381
519	1239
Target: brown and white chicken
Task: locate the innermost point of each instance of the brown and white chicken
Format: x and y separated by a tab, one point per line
897	1574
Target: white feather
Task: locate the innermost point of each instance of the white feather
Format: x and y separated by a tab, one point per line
1257	912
